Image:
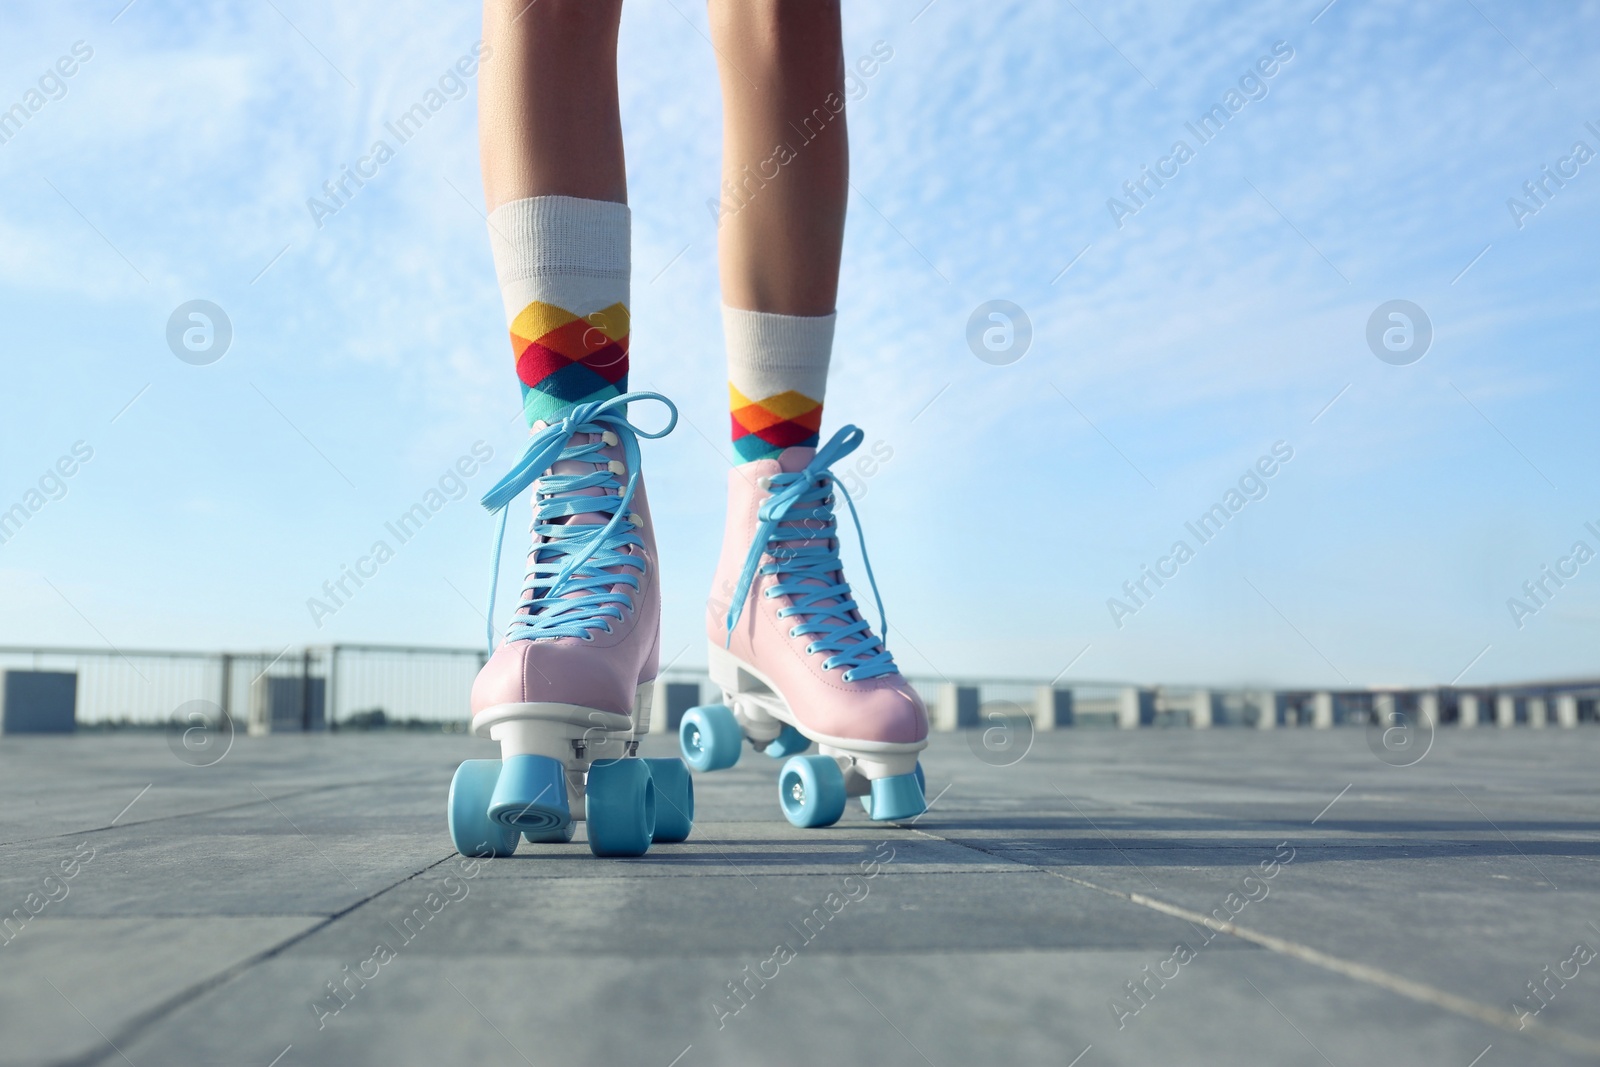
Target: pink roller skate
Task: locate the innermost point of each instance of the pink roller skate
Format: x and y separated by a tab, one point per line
795	660
569	688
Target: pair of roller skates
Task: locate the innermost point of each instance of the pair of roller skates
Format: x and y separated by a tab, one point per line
568	690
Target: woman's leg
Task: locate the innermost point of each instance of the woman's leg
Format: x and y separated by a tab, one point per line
780	610
548	123
785	155
553	177
569	677
785	175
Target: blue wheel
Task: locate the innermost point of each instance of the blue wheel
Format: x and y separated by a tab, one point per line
899	797
471	830
620	802
922	784
710	737
674	799
790	742
811	790
531	797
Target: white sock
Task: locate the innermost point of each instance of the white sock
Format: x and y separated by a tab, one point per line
777	375
563	265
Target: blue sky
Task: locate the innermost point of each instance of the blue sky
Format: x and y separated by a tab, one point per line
1228	314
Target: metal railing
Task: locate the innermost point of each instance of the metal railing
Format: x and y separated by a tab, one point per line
359	685
367	685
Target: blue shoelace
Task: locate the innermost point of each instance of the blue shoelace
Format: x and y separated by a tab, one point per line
800	509
575	558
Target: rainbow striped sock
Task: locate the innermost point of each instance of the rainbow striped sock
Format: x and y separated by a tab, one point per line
563	266
777	375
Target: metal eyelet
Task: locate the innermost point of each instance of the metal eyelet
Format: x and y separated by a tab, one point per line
764	482
616	466
608	438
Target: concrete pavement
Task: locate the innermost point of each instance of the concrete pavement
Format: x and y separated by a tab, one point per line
298	902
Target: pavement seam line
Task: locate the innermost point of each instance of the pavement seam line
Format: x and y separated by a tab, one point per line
136	1027
1361	972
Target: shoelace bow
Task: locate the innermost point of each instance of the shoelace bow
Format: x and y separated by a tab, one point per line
575	558
800	509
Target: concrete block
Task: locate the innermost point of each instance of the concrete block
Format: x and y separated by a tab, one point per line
1428	709
39	702
279	704
1469	710
1566	710
1200	710
956	707
1052	708
1538	712
1505	710
671	701
1135	708
1322	711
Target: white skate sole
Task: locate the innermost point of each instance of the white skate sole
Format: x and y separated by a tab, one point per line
571	733
762	711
